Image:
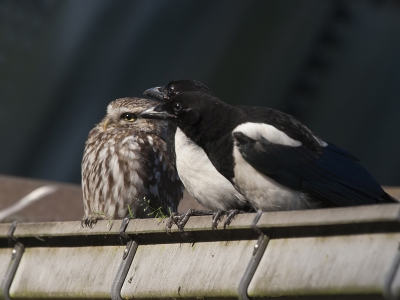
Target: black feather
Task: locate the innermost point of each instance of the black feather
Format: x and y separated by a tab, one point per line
332	175
323	172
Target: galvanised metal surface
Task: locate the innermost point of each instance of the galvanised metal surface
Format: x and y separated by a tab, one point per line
338	252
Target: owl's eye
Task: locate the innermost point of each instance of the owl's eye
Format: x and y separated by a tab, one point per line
177	107
128	117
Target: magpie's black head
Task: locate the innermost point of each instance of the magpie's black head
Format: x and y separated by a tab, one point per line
176	87
186	108
193	111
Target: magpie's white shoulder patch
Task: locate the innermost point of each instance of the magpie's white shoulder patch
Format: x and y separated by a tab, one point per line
268	132
262	191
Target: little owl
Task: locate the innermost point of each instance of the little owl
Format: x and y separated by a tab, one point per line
127	166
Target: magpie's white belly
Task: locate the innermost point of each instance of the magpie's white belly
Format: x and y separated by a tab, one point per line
263	192
201	179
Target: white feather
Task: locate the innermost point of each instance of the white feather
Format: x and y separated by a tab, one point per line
268	132
263	192
201	178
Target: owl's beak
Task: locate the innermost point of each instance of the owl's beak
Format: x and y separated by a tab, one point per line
156	112
106	124
156	93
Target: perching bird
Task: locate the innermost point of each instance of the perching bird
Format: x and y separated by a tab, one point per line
272	160
197	170
127	166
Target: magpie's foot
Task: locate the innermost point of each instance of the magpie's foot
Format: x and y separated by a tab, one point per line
184	218
173	219
231	214
180	220
217	216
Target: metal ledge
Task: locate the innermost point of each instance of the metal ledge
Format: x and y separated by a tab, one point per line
343	252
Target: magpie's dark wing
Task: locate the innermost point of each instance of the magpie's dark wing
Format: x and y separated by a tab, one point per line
328	173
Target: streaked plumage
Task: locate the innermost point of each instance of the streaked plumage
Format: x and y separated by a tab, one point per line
128	162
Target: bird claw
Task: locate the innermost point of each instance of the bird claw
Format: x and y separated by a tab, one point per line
217	216
180	220
231	214
89	221
173	219
184	218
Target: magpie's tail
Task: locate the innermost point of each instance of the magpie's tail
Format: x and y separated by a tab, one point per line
386	198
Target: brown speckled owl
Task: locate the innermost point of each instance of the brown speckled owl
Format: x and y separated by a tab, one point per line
128	165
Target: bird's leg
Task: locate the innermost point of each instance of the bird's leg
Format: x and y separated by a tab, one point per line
84	223
180	220
217	216
173	219
231	214
89	221
183	218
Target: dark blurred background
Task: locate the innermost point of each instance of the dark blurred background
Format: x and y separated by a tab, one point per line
335	65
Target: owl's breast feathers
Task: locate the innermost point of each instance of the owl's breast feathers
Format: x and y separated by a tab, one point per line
126	170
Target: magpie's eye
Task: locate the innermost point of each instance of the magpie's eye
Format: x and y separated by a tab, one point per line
172	91
128	117
177	107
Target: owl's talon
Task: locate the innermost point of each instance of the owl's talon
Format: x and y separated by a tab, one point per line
89	221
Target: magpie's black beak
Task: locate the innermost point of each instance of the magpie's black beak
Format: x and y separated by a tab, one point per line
156	112
156	93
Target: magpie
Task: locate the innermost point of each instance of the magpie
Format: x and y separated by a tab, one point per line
257	155
200	178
